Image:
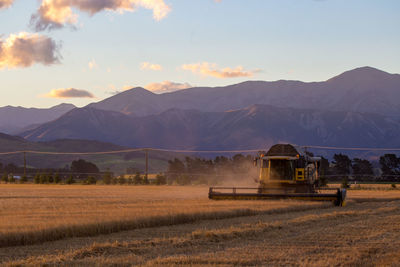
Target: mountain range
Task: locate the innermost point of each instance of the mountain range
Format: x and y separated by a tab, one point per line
17	119
253	127
358	108
364	90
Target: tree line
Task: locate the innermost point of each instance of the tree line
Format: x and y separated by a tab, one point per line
196	170
342	167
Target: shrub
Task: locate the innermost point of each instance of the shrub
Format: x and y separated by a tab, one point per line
23	179
57	178
90	180
70	180
11	179
137	179
107	178
50	178
121	180
393	185
36	179
4	178
43	178
161	179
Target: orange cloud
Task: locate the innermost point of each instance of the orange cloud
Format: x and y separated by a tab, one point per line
92	64
69	93
24	50
210	69
5	3
150	66
54	14
166	86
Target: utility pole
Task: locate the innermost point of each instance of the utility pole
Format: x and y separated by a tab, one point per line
24	163
147	162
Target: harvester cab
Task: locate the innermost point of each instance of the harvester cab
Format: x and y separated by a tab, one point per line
289	169
286	172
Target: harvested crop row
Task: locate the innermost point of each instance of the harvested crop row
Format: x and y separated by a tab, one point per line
306	237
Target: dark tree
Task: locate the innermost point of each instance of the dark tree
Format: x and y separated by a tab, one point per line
390	166
176	166
342	165
83	166
362	169
11	168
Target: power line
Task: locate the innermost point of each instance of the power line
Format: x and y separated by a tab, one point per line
189	151
353	148
128	151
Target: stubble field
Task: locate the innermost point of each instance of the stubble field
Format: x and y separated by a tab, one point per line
174	225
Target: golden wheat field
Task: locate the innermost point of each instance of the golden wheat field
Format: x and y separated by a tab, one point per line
177	225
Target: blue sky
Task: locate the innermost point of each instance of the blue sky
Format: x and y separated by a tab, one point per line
305	40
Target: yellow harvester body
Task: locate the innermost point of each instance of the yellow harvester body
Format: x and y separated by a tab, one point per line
288	172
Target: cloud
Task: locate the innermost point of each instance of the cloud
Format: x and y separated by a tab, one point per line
69	93
166	86
150	66
53	14
24	49
210	69
92	64
5	3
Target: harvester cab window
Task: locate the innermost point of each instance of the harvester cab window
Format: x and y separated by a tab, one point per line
281	170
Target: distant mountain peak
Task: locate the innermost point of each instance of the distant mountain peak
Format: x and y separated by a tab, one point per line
64	106
362	73
140	91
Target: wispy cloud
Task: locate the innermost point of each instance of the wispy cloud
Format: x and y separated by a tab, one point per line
5	3
53	14
150	66
166	86
210	69
25	49
92	64
69	93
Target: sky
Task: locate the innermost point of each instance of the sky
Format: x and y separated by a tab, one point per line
82	51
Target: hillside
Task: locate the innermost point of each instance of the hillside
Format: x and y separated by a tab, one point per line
257	126
16	119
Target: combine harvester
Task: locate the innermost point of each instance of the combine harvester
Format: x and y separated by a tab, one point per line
286	172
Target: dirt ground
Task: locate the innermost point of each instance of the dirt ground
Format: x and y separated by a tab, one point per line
366	232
